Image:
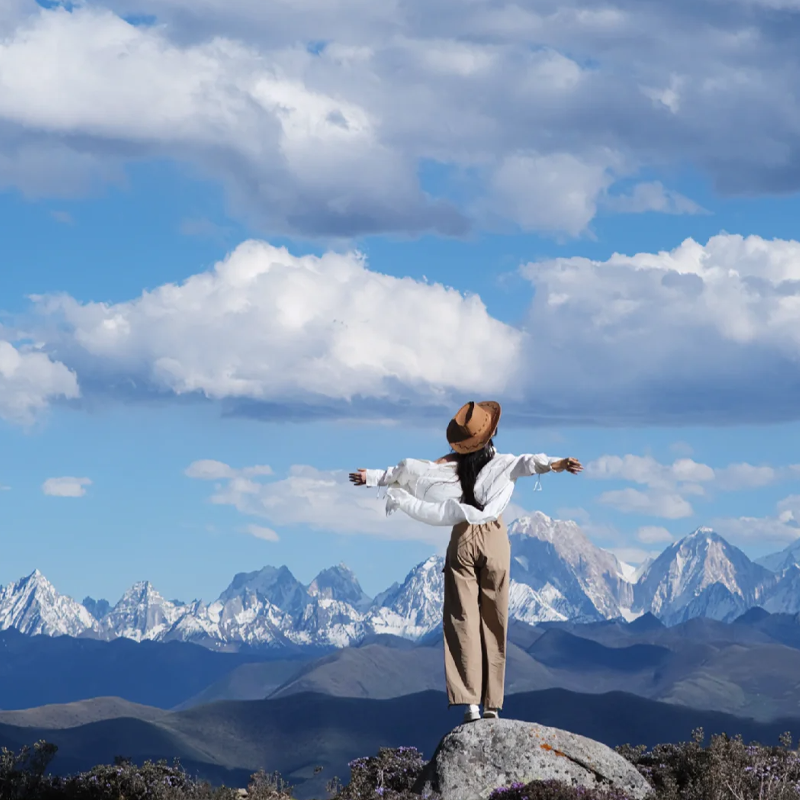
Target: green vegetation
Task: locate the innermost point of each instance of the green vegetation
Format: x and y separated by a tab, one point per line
724	769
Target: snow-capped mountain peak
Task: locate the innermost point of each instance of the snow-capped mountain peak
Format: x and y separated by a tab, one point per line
699	566
141	613
578	579
778	562
33	606
557	573
142	591
340	583
276	584
415	607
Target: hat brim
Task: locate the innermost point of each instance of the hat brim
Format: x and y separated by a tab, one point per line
475	443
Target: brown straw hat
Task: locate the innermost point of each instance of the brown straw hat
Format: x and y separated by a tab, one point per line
472	426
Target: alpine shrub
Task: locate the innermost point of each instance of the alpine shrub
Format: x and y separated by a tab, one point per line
387	776
554	790
22	777
728	769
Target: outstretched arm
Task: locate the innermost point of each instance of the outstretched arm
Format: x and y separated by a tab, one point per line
407	469
539	463
380	477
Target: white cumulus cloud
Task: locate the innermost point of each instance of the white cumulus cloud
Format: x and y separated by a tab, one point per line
29	380
701	333
653	534
781	527
260	532
655	504
210	470
697	334
318	118
646	470
553	192
668	485
652	196
66	487
269	326
319	499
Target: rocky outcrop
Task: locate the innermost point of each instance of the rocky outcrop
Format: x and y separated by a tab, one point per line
476	758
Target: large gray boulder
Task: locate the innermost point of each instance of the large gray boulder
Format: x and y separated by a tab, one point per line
476	758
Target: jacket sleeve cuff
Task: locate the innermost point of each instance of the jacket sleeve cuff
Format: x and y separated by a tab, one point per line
544	463
374	476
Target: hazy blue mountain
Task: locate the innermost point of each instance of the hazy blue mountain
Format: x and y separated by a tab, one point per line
788	557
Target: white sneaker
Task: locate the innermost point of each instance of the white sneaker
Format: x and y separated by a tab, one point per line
472	713
491	713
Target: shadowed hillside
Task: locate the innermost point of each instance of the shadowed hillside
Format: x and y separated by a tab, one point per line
151	673
297	733
82	712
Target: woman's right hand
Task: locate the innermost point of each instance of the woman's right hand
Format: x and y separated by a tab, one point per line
571	465
359	478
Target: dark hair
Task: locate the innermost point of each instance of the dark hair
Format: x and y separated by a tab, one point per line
468	466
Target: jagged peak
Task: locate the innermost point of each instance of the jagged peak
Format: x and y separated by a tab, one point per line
539	520
35	577
534	516
704	531
284	570
699	535
339	569
141	589
36	580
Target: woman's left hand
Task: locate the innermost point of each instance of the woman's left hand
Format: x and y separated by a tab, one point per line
571	465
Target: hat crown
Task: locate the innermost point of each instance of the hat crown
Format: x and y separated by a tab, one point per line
473	419
473	426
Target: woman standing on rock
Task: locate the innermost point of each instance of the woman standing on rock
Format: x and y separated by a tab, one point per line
469	489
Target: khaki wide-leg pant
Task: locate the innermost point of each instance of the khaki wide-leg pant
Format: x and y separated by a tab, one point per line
476	584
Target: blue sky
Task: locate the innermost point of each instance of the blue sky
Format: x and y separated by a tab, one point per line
182	434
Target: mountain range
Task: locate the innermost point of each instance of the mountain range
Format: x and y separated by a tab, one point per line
557	575
747	667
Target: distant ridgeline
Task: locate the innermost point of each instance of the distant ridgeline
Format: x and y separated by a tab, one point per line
296	735
557	574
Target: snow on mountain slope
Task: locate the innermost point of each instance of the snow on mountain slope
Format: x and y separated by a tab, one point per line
328	622
415	607
577	578
141	613
33	606
277	585
245	619
556	574
525	604
778	562
784	598
340	583
678	583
